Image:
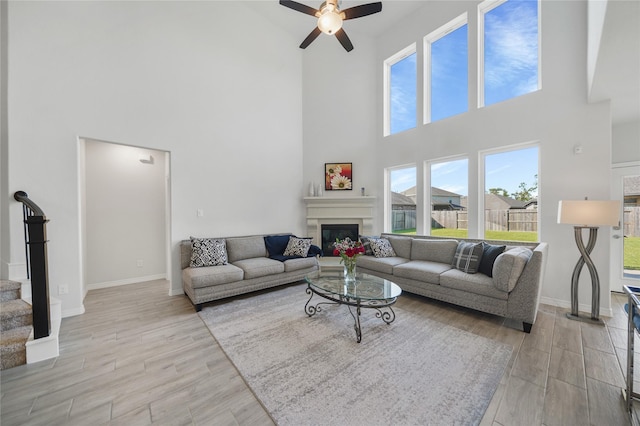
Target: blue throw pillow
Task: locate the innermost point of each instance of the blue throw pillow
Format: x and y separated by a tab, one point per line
315	250
276	244
489	254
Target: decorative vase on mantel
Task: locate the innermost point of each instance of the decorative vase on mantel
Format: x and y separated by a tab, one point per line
350	269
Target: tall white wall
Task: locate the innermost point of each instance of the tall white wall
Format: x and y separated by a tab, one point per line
212	83
557	117
626	142
340	111
125	209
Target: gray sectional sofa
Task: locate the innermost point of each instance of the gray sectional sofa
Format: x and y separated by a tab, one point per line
243	265
509	287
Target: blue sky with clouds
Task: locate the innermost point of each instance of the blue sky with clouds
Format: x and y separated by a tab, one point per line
502	170
511	69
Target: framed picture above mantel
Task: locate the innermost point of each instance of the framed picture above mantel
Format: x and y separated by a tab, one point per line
338	176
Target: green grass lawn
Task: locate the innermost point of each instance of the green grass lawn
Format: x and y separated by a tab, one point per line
632	253
489	235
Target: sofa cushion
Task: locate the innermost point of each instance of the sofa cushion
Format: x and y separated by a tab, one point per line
276	244
401	245
381	247
382	264
207	252
239	248
366	243
421	270
259	267
299	263
212	275
508	267
489	254
433	250
471	283
297	246
467	257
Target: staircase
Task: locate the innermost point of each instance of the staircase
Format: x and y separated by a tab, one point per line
16	319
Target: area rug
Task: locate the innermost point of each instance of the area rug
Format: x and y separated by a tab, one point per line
311	371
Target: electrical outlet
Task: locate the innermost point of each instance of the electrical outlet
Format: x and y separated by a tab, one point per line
200	212
63	289
140	263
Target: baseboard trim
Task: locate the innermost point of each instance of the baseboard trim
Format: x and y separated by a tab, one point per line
559	303
126	281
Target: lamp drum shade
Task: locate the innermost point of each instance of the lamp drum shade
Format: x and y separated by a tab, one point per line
589	213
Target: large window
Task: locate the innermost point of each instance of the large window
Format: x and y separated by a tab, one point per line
446	80
508	52
400	102
511	194
449	188
402	199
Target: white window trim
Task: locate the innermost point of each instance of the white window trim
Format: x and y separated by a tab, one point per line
428	40
481	180
387	225
483	8
388	63
427	186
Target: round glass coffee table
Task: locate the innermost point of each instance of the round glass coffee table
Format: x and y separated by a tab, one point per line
367	291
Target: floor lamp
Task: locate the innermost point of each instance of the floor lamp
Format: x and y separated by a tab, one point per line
587	214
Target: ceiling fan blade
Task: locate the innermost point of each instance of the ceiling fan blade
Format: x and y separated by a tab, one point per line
312	36
299	7
344	40
362	10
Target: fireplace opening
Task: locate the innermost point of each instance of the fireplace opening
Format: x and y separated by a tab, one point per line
339	231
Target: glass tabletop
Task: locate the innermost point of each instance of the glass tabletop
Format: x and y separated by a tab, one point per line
366	287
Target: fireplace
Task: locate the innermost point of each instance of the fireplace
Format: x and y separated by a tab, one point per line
336	231
357	212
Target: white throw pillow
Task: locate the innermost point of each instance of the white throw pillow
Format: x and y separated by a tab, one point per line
298	247
207	252
381	247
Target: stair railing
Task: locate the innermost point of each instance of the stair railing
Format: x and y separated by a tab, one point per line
35	239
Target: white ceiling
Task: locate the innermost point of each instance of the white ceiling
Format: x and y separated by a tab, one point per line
618	67
300	24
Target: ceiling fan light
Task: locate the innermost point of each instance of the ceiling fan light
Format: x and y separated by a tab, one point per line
329	22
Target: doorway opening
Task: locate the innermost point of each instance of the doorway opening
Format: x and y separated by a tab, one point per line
125	214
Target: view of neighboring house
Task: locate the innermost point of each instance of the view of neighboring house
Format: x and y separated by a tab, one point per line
632	191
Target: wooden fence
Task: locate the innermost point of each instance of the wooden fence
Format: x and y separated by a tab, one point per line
631	223
495	220
500	220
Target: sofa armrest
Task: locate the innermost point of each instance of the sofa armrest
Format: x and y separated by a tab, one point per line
525	297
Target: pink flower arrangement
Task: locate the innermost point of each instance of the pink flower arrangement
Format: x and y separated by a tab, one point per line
348	250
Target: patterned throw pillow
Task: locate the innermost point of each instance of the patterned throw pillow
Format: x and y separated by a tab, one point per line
208	252
467	257
381	247
366	243
297	247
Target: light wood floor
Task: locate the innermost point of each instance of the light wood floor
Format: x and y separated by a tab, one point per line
138	356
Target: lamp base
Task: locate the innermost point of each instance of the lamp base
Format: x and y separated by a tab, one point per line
596	321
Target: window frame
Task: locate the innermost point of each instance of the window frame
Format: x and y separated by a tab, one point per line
387	64
483	8
427	41
388	214
482	181
428	184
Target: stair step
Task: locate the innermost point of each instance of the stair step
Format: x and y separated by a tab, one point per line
10	290
12	347
14	314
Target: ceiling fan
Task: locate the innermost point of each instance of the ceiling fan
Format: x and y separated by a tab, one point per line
330	19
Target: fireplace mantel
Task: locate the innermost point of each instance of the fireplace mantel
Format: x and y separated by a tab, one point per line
339	210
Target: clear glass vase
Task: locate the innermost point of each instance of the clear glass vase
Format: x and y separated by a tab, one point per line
350	270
